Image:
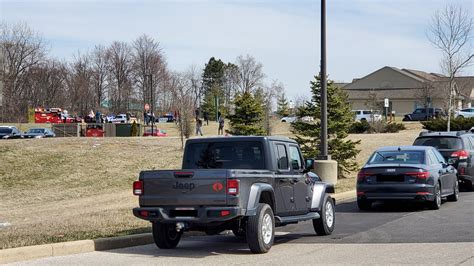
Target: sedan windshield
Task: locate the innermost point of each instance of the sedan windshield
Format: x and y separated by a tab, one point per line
36	130
398	157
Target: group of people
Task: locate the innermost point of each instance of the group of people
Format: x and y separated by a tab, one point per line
199	123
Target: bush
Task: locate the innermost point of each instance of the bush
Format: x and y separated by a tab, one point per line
376	127
457	124
359	127
394	127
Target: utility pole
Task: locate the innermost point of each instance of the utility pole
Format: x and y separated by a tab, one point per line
324	98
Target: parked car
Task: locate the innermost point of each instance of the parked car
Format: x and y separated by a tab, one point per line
418	173
9	132
156	132
420	114
165	119
455	146
109	118
288	119
120	118
466	113
367	115
39	133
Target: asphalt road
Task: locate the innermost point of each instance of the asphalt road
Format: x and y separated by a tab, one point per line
389	233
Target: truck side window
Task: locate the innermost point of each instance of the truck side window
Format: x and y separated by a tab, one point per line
282	157
295	158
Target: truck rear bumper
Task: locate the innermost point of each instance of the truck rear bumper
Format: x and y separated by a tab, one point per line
195	215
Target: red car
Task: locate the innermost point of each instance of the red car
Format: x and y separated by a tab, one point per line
156	132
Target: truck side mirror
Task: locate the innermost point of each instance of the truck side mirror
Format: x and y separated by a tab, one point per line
309	164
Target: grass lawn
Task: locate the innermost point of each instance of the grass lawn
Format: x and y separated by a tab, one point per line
61	189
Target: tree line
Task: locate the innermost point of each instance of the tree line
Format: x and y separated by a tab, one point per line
118	78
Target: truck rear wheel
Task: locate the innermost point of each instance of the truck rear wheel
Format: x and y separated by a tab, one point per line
165	235
325	224
260	229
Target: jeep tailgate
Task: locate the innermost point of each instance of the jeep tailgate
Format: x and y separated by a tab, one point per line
183	187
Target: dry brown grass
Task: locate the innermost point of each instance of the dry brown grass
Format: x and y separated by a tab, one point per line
62	189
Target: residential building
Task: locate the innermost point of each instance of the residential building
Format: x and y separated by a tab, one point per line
408	89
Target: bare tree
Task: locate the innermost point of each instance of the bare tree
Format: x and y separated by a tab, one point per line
182	88
193	76
98	59
119	56
269	95
21	49
250	73
79	85
231	82
45	84
148	60
450	32
426	93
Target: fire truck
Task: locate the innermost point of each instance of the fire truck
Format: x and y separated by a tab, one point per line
48	115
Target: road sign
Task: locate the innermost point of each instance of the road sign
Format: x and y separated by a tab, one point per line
147	107
386	103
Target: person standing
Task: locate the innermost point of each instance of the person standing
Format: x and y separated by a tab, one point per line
206	118
198	126
220	131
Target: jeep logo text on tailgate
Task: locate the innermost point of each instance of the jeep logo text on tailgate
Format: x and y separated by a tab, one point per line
189	186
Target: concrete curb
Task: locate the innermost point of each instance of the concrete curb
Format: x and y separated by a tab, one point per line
74	247
82	246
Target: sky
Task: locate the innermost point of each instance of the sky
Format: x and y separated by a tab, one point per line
284	35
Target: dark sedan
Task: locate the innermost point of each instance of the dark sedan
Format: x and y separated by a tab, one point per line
406	173
39	133
9	132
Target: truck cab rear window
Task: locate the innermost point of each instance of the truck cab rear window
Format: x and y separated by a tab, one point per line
224	155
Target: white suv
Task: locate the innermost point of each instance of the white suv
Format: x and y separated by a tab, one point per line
367	115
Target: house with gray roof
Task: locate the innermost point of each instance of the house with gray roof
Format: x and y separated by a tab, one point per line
408	89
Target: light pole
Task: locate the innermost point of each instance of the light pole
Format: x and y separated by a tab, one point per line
152	105
324	106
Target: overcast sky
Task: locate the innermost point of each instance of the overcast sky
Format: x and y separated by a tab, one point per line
363	35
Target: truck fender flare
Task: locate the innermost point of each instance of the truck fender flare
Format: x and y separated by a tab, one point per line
319	192
254	196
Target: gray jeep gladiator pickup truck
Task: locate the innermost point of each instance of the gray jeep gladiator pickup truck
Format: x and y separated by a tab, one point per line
245	184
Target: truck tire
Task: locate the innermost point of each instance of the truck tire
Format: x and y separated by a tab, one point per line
260	229
325	224
165	235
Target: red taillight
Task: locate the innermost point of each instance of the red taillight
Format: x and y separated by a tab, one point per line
225	213
422	193
138	188
143	213
363	174
420	175
461	155
360	193
233	187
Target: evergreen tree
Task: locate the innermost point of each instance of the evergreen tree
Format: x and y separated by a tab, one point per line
248	116
283	108
340	119
213	86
